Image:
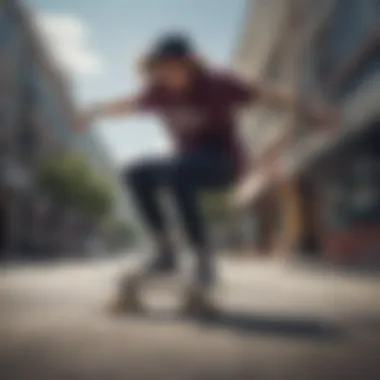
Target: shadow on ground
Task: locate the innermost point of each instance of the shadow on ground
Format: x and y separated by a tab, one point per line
295	327
369	268
244	322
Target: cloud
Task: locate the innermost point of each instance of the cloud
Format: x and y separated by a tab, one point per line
67	38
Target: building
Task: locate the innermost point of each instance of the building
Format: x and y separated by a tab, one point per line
327	200
88	144
266	50
37	113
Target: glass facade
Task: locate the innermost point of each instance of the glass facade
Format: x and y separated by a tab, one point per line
27	86
28	140
369	68
8	72
352	194
6	30
349	28
51	107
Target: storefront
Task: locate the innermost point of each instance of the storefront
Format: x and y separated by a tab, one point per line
347	183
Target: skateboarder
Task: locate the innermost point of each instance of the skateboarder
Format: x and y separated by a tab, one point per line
197	105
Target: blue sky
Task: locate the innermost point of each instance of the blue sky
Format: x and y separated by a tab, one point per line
99	41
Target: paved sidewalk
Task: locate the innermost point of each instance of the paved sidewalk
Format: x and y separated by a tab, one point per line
280	322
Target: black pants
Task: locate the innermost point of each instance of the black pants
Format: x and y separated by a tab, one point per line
184	176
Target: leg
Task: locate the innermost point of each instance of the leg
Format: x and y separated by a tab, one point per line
146	180
191	173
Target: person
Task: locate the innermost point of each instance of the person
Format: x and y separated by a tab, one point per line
198	106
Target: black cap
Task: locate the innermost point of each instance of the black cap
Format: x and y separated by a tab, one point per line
172	46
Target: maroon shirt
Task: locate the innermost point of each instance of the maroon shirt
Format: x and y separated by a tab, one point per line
204	116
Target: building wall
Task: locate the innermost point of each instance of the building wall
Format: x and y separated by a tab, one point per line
270	51
37	111
36	118
264	25
327	51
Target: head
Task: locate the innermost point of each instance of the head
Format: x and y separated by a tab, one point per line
171	63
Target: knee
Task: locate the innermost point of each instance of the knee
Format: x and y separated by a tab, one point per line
137	175
180	173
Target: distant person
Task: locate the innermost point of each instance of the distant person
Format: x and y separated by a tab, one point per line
198	105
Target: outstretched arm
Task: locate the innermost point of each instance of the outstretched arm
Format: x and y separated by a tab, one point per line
108	109
115	108
276	97
245	93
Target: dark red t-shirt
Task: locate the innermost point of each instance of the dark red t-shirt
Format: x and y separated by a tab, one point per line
204	116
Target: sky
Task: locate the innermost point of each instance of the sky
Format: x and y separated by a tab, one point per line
97	43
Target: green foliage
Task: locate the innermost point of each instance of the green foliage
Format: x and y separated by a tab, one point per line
216	204
121	234
68	180
97	197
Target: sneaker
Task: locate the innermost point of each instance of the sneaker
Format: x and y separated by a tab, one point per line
128	297
199	304
206	276
205	270
163	263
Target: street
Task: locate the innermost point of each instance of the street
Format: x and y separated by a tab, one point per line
280	321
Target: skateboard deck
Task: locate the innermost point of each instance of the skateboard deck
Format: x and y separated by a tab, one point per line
161	292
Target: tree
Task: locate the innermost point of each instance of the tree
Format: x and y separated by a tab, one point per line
218	210
120	234
216	205
70	182
94	195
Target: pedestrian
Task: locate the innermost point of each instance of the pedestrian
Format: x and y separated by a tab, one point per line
198	105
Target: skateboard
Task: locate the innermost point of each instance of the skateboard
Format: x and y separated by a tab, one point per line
133	292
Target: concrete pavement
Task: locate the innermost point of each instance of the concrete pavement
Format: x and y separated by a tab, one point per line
279	322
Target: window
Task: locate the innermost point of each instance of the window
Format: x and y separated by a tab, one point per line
353	194
349	27
27	138
47	100
5	30
367	69
308	9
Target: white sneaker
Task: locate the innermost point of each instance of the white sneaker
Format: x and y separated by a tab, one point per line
128	297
